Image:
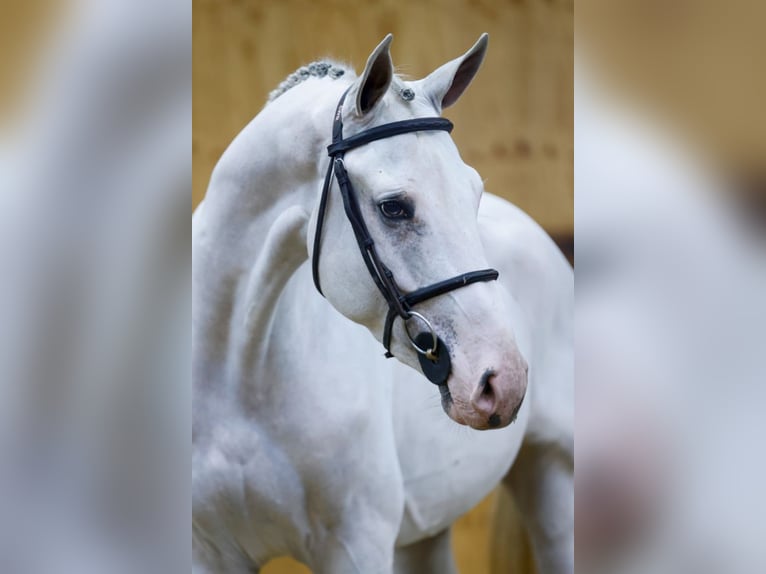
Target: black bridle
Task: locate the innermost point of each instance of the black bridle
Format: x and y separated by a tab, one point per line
432	351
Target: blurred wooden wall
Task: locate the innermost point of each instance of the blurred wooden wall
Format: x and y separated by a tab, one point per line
514	124
26	28
695	67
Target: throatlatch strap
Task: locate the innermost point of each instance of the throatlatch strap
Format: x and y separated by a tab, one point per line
319	227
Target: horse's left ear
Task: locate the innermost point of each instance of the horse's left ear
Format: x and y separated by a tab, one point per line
446	84
376	78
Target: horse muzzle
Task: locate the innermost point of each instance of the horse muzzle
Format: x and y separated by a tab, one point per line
489	397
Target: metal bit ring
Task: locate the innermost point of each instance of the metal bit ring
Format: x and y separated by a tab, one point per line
429	353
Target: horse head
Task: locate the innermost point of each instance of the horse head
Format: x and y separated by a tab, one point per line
411	194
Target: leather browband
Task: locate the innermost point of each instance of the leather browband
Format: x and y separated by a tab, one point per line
387	131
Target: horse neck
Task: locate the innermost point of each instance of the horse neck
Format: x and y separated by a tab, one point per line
249	235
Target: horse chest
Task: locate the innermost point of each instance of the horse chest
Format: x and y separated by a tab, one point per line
446	469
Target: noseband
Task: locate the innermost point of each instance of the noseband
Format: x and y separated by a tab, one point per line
433	353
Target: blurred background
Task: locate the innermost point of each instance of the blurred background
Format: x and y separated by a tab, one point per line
95	172
514	125
670	192
695	67
25	30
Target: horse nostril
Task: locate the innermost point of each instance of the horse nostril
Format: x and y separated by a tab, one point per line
484	399
484	384
487	390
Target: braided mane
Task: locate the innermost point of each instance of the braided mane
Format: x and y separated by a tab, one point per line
318	69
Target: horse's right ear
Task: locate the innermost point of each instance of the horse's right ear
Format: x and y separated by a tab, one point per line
376	79
446	84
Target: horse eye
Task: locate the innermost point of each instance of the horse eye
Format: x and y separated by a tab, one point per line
394	209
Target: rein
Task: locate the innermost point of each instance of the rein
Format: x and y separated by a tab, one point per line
433	353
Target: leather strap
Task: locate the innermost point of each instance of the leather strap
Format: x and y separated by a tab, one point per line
435	290
387	131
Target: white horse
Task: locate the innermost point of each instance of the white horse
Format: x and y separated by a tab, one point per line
307	441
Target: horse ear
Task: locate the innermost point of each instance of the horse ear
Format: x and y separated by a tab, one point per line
446	84
376	79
